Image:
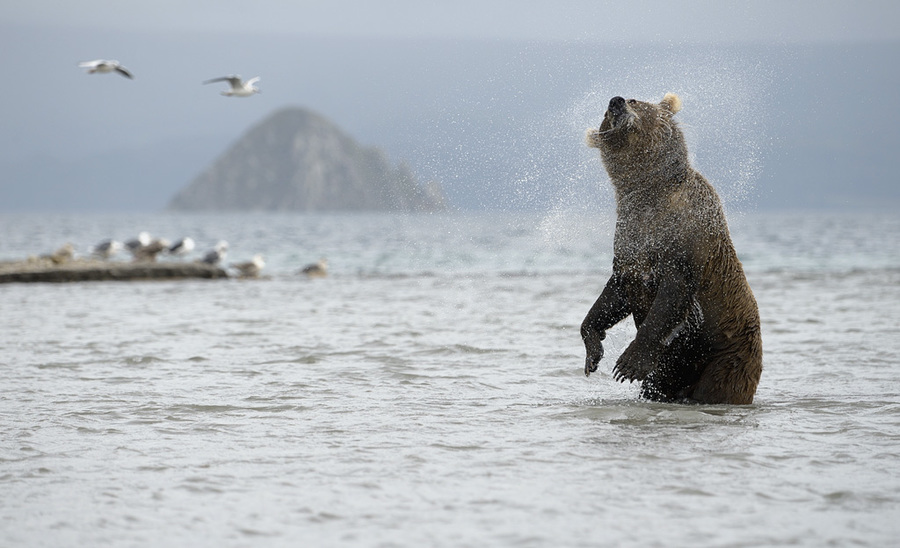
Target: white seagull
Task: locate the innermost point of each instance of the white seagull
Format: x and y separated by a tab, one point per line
316	270
147	253
104	66
217	254
251	268
136	244
106	249
239	88
182	246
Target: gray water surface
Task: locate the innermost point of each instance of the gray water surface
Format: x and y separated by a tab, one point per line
437	399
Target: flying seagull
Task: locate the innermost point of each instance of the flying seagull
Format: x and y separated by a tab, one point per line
239	88
104	66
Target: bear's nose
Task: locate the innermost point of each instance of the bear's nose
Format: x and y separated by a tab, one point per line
616	105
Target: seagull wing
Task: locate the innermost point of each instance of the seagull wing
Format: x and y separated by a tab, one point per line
90	64
124	72
252	81
235	81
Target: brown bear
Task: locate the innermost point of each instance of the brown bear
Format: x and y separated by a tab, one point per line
674	268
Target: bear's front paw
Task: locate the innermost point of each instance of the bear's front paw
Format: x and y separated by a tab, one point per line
591	361
593	346
634	364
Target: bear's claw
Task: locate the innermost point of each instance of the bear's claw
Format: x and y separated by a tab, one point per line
593	347
633	365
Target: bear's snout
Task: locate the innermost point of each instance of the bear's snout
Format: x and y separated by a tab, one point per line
616	106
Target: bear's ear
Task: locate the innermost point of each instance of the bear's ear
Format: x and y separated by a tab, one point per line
671	102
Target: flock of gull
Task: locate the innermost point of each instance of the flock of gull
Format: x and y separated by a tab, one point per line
147	249
143	248
239	88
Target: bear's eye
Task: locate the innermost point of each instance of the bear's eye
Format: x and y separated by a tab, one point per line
632	101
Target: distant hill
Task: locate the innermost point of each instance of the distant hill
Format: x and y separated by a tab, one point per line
296	160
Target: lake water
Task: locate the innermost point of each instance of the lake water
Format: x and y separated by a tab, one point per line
430	391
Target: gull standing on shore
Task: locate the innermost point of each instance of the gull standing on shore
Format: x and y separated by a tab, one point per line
316	270
147	253
239	88
217	254
134	245
106	249
182	246
251	268
104	66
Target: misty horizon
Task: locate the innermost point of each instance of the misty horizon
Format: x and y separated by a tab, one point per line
497	121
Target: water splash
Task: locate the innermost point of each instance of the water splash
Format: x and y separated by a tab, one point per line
724	93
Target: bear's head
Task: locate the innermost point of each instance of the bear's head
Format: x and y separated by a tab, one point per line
640	139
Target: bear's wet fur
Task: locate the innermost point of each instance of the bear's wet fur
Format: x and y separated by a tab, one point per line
675	270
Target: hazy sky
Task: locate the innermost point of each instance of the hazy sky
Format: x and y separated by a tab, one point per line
634	20
488	76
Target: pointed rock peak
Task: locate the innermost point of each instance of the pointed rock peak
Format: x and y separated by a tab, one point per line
297	160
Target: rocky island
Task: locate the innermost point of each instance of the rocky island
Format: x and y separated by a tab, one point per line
296	160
